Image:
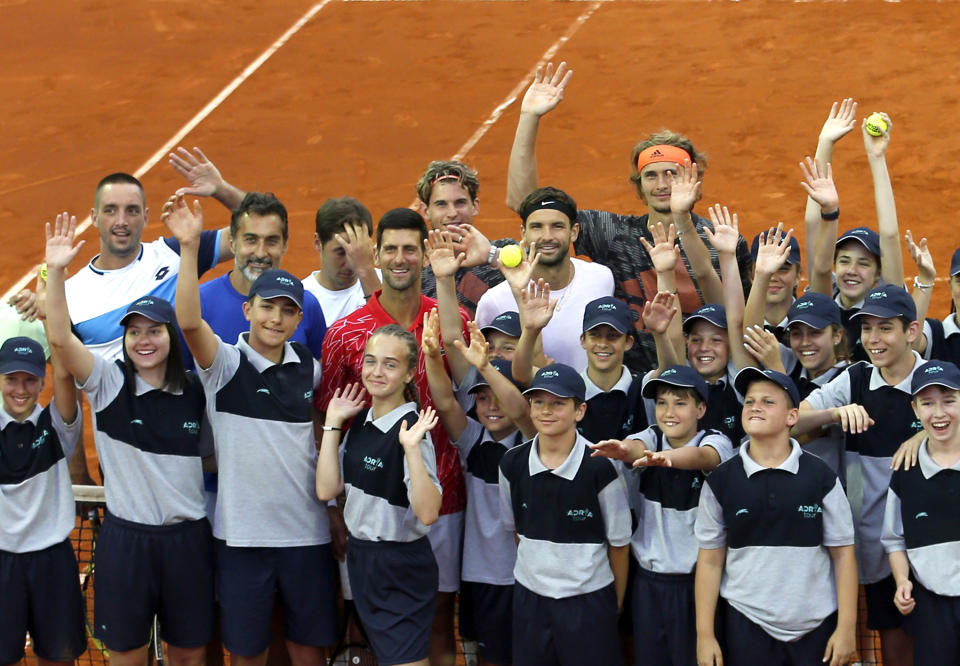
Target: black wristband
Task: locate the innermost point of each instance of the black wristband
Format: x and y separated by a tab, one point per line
830	217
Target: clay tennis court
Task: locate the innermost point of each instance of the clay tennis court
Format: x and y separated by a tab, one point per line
358	96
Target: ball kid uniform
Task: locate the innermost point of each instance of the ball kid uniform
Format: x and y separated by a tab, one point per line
39	587
616	413
392	569
776	524
564	604
273	534
154	551
921	519
665	501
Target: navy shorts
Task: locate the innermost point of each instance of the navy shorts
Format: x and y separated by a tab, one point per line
664	619
882	613
395	593
40	593
745	642
490	608
147	570
565	632
935	627
249	579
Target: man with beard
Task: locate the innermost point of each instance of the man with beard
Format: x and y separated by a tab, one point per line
549	226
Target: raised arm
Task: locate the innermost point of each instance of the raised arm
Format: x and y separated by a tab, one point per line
536	311
660	316
185	225
922	285
822	226
204	178
425	499
358	246
452	418
887	226
684	192
664	254
541	97
60	251
446	261
344	405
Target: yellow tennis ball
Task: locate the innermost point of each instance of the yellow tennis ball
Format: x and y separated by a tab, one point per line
43	271
511	255
876	125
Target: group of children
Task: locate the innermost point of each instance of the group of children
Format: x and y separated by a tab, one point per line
728	501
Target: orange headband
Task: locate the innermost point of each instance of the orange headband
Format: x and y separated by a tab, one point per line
661	153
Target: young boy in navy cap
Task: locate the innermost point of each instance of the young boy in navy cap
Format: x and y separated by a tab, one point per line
772	522
39	588
572	522
921	533
871	402
273	532
668	464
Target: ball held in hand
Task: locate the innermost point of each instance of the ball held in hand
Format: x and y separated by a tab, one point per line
511	255
876	125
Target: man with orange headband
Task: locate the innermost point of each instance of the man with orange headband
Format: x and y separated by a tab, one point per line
614	239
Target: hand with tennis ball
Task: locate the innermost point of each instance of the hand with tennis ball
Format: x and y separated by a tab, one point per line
876	144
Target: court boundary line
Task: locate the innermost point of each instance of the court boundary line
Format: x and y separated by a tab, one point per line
191	124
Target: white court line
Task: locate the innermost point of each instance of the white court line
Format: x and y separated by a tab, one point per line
191	124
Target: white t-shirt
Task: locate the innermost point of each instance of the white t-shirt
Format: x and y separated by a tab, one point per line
336	304
561	337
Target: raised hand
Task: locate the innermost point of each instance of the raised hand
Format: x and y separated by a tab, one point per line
920	253
658	312
443	257
472	242
204	177
346	403
357	245
547	88
536	308
478	353
685	188
185	224
842	119
60	248
819	185
430	338
763	345
411	438
725	234
876	145
519	276
773	250
664	252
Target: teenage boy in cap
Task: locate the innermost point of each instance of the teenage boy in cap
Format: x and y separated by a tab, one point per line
572	521
273	532
771	523
920	530
667	464
38	569
871	401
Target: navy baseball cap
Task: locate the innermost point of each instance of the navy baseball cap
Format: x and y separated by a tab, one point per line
560	380
503	366
713	313
681	376
277	283
866	236
749	375
955	263
153	308
888	302
935	373
22	354
793	257
607	310
814	309
507	323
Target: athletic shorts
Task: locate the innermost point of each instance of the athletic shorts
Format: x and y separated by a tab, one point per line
882	613
446	540
40	593
935	627
488	610
147	570
745	642
565	632
250	578
664	620
395	593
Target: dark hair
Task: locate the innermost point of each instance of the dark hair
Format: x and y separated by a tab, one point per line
413	355
175	376
260	203
464	175
847	241
119	178
338	212
401	218
531	201
667	138
681	392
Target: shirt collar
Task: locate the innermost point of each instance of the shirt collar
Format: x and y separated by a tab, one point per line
141	387
928	465
568	469
261	362
388	420
826	376
950	326
877	381
6	419
623	384
383	317
791	464
855	306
